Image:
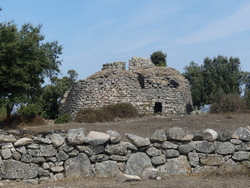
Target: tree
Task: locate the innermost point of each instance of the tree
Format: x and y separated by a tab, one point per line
216	77
53	93
25	61
159	59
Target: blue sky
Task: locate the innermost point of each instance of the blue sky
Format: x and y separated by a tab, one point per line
94	32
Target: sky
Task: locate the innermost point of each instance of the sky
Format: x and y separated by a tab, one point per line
95	32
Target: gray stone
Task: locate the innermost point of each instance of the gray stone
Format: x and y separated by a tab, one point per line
76	136
169	145
245	146
116	149
230	166
224	148
205	170
107	169
38	160
130	146
241	155
210	135
23	142
193	159
73	153
33	146
158	136
158	160
56	169
57	140
48	150
42	172
235	141
118	158
176	133
12	169
224	135
94	150
212	159
81	148
79	166
35	152
128	178
7	145
173	166
96	138
198	135
62	156
6	153
99	158
45	166
39	139
137	163
115	137
242	133
51	159
137	140
185	148
21	149
152	152
204	146
57	176
27	158
7	138
150	173
16	155
170	153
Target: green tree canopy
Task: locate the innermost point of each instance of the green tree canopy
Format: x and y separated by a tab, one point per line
25	61
214	78
159	59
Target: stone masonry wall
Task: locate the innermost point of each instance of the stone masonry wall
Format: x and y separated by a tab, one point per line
145	88
73	153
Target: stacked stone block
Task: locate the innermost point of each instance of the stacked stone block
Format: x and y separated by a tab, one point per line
73	154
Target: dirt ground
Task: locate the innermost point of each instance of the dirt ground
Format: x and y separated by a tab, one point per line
145	127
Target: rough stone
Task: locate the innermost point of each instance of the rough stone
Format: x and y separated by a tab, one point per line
128	178
185	148
6	153
224	135
62	156
169	145
204	146
224	148
48	150
115	137
177	133
152	152
39	139
194	159
116	149
230	166
241	155
158	136
158	160
7	138
137	163
137	140
12	169
178	165
107	169
27	158
23	142
118	158
150	173
99	158
244	146
94	150
79	166
210	135
212	159
57	140
170	153
242	133
96	138
76	136
56	169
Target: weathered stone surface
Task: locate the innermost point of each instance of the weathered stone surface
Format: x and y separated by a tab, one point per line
73	153
224	148
127	178
230	166
178	165
33	146
212	159
204	146
7	145
118	158
170	153
12	169
235	141
27	158
57	140
176	133
152	152
115	137
39	139
241	155
194	159
38	160
137	140
76	136
42	172
224	135
244	146
57	169
96	138
62	156
158	160
6	153
185	148
23	142
35	152
210	135
48	150
242	133
7	138
79	166
205	170
198	135
99	158
94	150
107	169
116	149
169	145
150	173
16	155
137	163
130	146
158	136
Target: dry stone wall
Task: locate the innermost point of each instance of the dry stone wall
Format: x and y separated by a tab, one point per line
150	89
73	153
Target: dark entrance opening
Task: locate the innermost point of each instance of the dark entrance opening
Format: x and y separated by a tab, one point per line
141	81
158	107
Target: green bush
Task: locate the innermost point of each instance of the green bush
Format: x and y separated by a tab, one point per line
229	103
28	112
107	113
159	59
63	119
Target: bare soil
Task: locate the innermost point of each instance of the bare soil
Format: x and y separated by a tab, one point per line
145	127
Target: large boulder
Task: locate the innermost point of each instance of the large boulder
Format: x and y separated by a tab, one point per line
79	166
12	169
76	136
96	138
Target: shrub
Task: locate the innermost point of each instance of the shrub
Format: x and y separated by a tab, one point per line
229	103
159	59
63	119
28	112
107	113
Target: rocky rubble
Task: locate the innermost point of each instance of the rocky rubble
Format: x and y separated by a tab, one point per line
74	154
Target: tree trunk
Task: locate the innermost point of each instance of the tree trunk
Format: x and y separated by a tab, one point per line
8	112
